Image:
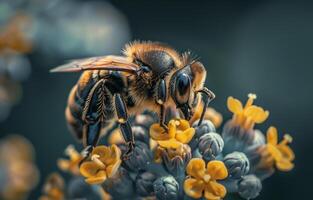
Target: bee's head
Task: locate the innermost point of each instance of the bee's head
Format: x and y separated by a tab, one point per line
168	72
154	59
184	84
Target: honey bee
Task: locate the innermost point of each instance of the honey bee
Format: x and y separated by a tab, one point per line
149	76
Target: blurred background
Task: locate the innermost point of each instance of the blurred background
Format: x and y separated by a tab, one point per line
263	47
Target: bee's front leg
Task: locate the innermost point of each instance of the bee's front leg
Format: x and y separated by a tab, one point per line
210	96
161	99
162	117
122	119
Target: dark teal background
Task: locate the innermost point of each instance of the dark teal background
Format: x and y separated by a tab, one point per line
263	47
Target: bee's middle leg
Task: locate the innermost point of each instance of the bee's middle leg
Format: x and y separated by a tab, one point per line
122	119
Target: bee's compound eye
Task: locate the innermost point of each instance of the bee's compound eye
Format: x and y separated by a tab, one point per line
145	69
182	89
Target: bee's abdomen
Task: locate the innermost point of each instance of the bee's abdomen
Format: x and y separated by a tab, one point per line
97	106
73	114
76	103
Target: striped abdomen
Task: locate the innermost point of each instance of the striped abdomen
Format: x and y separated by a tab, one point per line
90	102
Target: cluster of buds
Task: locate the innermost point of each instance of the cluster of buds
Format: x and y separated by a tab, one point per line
187	161
18	172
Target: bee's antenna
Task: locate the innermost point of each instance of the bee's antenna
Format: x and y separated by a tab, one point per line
195	59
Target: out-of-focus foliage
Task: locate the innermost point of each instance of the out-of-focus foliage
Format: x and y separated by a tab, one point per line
18	172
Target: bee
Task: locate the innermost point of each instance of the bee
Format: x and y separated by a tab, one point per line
149	76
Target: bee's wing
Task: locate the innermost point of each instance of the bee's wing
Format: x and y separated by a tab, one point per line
117	63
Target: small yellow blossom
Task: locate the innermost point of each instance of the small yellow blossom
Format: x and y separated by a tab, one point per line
179	133
71	165
248	115
210	114
104	163
204	180
53	188
276	153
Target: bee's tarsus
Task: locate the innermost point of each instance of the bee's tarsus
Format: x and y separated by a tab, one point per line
129	152
162	118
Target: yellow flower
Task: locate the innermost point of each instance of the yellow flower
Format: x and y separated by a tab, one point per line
204	179
280	154
53	188
179	133
71	165
104	163
210	114
248	115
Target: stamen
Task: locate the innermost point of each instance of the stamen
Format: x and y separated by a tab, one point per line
250	100
287	139
207	178
96	159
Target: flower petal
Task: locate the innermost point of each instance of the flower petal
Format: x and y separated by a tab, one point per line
275	153
89	169
98	179
194	188
217	170
284	165
112	169
257	114
182	124
171	143
196	168
159	133
272	136
234	105
107	155
286	151
215	190
210	196
63	164
185	136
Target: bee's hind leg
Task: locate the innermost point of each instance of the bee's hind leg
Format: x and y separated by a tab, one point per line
92	119
122	119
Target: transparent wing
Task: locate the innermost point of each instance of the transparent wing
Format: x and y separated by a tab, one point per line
117	63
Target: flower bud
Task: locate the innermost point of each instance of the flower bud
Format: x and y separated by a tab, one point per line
139	158
236	138
166	188
144	120
120	186
210	145
237	164
175	160
144	184
141	134
79	189
249	187
206	127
